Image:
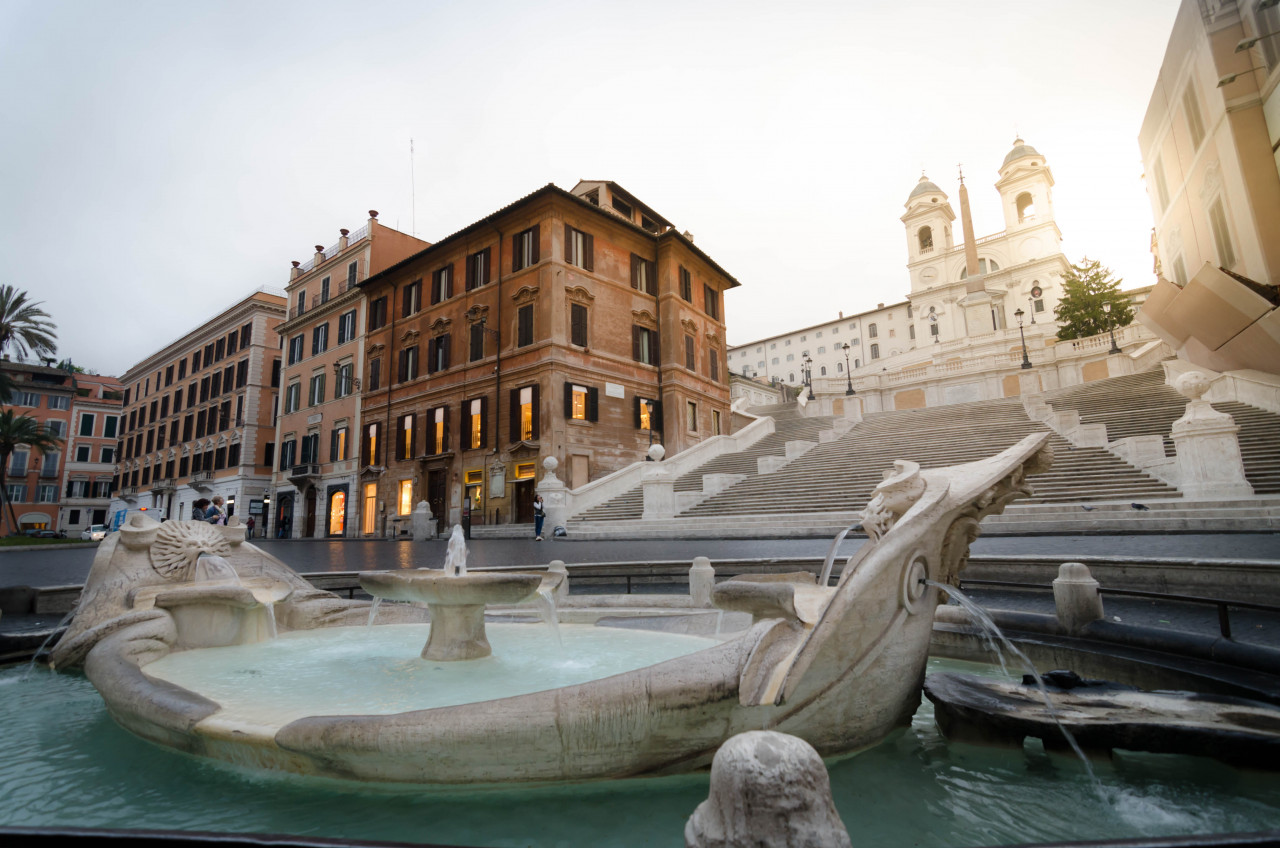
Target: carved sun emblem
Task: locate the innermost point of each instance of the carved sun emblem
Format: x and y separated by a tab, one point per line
179	544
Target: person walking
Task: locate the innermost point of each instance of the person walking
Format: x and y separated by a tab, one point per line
214	513
198	508
539	516
250	524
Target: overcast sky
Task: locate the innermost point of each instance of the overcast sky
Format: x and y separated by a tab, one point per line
164	159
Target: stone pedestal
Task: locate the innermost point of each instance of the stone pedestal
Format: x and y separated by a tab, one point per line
1209	463
702	577
659	487
1076	597
555	497
424	523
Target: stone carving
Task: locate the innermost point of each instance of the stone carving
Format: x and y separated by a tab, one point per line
178	544
892	498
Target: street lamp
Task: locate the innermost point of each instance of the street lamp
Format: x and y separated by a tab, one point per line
1111	327
1026	362
808	373
848	375
933	325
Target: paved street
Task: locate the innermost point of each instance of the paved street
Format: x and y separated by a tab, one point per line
70	566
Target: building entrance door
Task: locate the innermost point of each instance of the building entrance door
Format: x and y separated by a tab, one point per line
522	492
436	494
284	517
337	512
309	507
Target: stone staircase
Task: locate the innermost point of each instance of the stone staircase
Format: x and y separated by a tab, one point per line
1142	405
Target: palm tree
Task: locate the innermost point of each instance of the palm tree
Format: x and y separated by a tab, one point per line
16	431
24	325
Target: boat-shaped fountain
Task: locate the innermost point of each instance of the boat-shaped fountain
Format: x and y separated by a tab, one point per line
837	666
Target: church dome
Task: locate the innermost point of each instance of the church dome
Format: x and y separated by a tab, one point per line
1020	149
924	186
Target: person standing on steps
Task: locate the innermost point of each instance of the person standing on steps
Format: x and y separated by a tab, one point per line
539	516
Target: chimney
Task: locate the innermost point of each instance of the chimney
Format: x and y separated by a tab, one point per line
342	240
842	313
295	270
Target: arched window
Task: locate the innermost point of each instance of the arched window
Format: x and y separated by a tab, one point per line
1026	207
857	363
839	367
791	378
875	351
984	266
872	331
822	372
925	235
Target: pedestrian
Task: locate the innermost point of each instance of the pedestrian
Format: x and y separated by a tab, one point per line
249	524
213	513
539	516
198	508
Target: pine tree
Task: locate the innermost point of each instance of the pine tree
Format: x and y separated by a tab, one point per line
1087	288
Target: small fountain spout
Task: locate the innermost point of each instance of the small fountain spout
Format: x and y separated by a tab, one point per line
455	556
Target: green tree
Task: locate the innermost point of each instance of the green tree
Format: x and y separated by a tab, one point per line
24	326
17	431
1088	288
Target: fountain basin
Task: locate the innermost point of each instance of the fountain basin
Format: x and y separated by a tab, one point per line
457	603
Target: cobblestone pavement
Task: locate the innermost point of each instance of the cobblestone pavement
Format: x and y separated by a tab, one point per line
61	567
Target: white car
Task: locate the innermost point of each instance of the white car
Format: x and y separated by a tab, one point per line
94	533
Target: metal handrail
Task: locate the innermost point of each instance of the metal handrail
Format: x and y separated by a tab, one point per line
1223	606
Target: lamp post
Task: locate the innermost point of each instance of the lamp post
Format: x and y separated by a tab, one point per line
848	375
1031	308
808	373
1111	327
1026	361
266	515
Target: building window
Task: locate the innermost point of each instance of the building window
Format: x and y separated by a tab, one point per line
371	448
578	324
579	249
691	416
18	462
288	456
1162	187
1195	122
16	492
581	403
405	499
642	345
405	438
478	269
315	394
715	365
83	452
320	339
475	414
301	308
378	313
337	444
524	325
351	274
438	430
524	424
346	327
324	290
408	364
524	248
1038	304
292	401
875	351
411	298
86	423
925	237
295	350
690	361
442	284
438	353
648	414
375	374
644	274
686	284
1221	235
711	302
715	422
933	326
342	381
369	513
477	342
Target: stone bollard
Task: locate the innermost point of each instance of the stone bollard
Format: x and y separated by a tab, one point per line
702	577
562	591
423	523
1208	447
659	488
767	788
1076	597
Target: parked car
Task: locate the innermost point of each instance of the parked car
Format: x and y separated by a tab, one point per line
47	534
94	533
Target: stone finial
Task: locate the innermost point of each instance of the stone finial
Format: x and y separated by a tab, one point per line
767	788
373	213
344	232
319	248
657	452
551	464
1192	385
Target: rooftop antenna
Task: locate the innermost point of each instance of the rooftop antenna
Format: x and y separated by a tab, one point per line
413	193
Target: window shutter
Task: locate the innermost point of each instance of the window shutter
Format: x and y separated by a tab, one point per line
515	253
465	438
568	401
413	438
484	422
635	271
593	405
635	410
635	343
485	277
471	272
333	446
655	417
536	408
365	455
568	246
444	443
589	261
536	241
513	418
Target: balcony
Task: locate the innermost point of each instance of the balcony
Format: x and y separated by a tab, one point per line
307	474
202	480
162	487
127	493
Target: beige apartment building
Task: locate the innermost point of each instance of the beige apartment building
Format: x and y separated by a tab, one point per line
198	415
316	474
1210	142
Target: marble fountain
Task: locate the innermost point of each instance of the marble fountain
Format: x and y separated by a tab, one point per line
179	619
